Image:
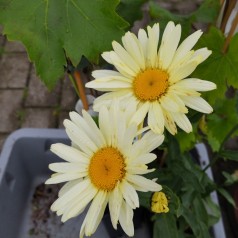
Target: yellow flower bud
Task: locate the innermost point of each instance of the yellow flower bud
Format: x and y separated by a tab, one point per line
159	203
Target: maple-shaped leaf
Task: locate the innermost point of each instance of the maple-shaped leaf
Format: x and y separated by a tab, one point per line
56	29
221	122
220	68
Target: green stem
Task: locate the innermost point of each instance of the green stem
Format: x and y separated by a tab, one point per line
217	155
74	84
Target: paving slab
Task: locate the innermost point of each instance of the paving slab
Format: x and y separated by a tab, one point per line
39	118
14	46
69	96
38	94
2	41
10	102
14	70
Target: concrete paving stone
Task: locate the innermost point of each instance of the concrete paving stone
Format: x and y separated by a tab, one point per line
38	94
10	102
14	70
69	96
2	40
63	115
39	118
14	46
3	138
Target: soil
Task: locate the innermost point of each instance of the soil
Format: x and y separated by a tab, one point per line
44	223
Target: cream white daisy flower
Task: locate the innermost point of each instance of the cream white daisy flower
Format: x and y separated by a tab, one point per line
104	166
155	79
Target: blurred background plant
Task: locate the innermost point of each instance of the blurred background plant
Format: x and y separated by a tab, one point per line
69	36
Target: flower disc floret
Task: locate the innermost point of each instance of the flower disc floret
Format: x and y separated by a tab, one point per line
107	168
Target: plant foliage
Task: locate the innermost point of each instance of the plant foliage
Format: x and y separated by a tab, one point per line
53	31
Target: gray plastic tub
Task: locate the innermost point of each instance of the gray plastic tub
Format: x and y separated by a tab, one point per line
23	166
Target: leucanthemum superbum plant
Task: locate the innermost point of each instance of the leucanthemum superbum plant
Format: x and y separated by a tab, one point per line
104	166
155	79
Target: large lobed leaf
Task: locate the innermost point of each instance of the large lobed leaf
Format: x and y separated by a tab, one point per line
131	10
56	29
220	68
221	122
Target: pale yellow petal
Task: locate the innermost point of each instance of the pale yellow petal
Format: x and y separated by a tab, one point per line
95	212
143	183
134	48
153	40
197	84
140	114
78	204
125	57
169	45
186	46
69	153
182	121
130	195
125	219
60	178
156	118
115	202
63	167
169	123
198	104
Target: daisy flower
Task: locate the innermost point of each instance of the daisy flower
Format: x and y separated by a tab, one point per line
156	80
104	166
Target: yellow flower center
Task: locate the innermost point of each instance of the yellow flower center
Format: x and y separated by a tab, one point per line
151	84
159	203
106	168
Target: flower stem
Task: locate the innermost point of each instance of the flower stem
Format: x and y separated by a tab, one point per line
230	34
81	90
229	6
74	84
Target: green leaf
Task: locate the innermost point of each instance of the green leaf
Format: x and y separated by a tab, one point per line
213	142
230	179
198	227
230	154
173	199
207	184
186	140
227	196
130	10
224	117
188	197
214	211
197	218
220	68
165	226
56	29
208	11
145	199
187	175
200	210
173	147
